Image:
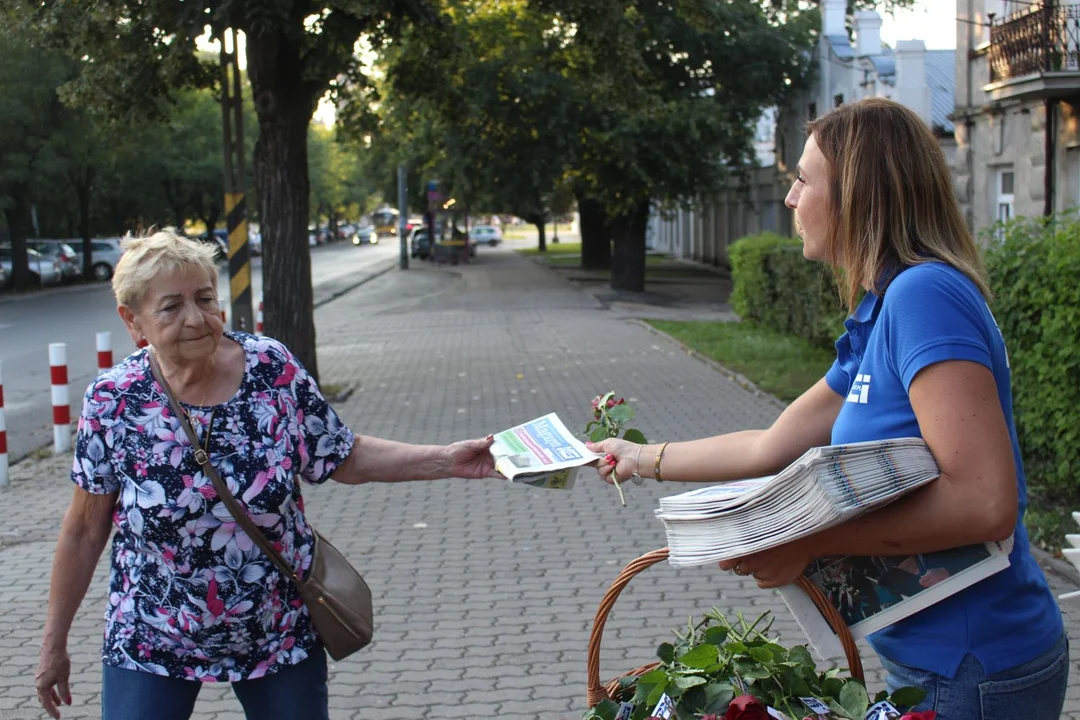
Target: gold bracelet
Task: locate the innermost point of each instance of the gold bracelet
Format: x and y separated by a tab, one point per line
656	467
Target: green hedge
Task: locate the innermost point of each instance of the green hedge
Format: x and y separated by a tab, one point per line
1035	276
775	286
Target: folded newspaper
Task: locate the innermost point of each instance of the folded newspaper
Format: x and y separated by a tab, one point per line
825	487
541	453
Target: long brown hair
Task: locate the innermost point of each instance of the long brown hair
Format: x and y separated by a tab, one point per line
892	198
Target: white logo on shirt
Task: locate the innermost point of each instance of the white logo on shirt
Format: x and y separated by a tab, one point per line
860	390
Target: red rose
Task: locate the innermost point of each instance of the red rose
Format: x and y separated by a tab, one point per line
746	707
920	715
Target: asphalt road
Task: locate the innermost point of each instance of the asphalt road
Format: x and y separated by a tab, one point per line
73	315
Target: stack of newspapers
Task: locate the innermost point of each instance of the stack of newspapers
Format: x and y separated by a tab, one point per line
826	486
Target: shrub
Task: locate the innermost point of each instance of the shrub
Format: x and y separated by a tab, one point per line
1035	276
775	286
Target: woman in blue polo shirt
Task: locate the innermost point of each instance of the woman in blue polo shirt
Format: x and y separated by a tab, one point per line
922	356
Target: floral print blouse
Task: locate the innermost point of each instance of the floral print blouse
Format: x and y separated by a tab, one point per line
190	595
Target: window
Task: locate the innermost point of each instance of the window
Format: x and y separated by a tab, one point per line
1006	180
1072	169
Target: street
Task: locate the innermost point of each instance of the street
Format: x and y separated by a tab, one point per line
74	315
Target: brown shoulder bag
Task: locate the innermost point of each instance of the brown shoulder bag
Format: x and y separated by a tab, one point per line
337	598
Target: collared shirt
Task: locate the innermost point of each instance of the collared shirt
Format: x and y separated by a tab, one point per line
933	313
190	594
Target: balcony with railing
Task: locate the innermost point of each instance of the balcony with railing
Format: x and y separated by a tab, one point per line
1035	53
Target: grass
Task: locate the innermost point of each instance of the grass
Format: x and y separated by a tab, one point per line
563	248
521	232
781	365
561	260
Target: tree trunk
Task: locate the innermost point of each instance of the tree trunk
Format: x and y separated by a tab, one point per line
628	260
83	185
17	214
595	235
284	103
555	231
541	227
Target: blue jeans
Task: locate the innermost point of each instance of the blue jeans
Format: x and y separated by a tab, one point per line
1032	691
294	693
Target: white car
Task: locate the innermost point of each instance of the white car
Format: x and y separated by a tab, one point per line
104	255
485	235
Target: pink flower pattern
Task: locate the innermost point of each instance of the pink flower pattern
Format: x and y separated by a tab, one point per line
190	595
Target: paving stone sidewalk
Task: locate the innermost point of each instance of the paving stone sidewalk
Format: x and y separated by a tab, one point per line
485	593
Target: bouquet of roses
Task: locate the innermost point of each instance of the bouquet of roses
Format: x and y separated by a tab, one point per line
722	670
610	416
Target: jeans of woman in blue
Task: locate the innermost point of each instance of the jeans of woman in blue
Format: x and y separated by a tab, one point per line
1032	691
294	693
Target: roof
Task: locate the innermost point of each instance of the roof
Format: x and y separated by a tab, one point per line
941	77
841	46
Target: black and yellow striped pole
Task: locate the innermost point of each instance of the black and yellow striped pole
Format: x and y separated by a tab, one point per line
232	125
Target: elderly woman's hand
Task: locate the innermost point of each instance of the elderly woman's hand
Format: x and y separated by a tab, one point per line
51	679
471	459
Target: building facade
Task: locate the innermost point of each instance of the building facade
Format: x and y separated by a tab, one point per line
843	72
1017	109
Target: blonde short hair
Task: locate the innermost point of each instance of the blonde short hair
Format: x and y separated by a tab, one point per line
159	251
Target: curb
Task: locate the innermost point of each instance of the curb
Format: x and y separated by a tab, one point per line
738	378
367	278
1062	568
10	298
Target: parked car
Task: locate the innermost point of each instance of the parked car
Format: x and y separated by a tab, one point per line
104	255
420	243
45	271
485	235
64	254
3	277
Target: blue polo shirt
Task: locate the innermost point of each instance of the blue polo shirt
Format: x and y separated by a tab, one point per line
933	313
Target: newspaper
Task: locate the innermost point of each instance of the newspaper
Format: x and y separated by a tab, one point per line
541	453
871	593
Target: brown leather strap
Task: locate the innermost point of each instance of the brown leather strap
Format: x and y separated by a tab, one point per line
237	511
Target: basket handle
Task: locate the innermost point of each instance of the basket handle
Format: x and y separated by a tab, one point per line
596	692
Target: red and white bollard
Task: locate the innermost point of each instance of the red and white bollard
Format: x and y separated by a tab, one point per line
61	409
3	435
104	351
259	320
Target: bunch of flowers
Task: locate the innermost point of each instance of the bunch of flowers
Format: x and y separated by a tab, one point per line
610	415
722	670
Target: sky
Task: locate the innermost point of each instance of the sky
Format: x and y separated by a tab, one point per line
932	21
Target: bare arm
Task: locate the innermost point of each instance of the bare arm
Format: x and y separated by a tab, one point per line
377	460
83	534
973	501
804	424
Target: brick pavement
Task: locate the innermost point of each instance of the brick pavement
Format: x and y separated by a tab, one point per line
485	592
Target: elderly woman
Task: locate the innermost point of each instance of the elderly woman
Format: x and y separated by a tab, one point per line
191	598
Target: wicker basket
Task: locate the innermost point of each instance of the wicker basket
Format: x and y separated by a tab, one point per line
598	692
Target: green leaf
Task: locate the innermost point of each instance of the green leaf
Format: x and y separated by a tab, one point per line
701	656
666	653
883	695
684	683
621	414
716	635
907	697
656	694
854	699
735	648
838	710
605	710
762	655
757	673
634	436
717	697
599	434
659	675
